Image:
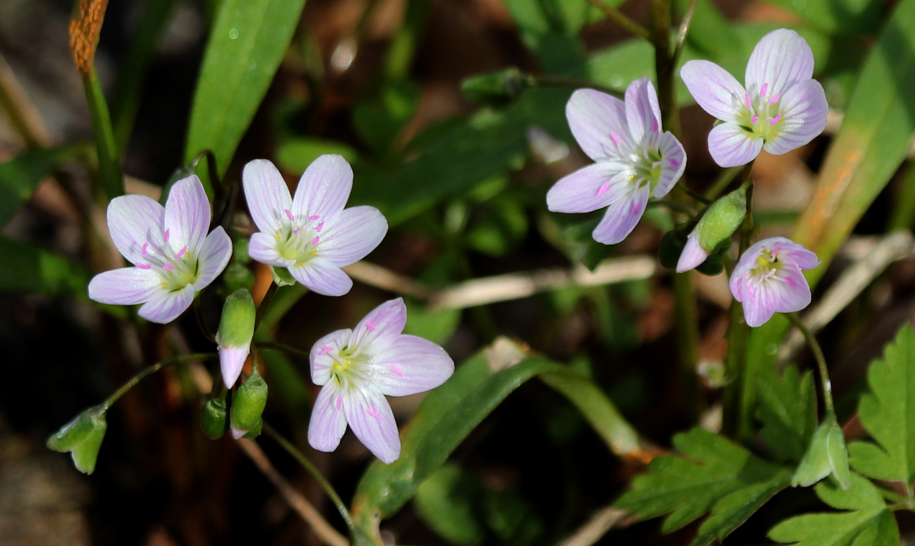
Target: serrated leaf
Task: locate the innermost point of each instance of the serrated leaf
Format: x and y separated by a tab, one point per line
866	521
888	413
712	474
787	410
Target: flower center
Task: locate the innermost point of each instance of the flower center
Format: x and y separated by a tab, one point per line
175	269
298	239
761	116
645	168
349	366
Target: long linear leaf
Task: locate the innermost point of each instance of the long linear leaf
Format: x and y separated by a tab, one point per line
246	45
20	176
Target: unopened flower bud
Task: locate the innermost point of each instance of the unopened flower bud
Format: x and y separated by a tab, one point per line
213	418
249	434
236	328
249	402
82	437
497	88
713	232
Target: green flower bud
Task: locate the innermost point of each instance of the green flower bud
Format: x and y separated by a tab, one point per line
282	276
249	402
82	437
255	430
721	220
497	88
236	329
213	418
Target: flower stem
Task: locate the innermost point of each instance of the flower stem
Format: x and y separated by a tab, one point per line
616	16
132	382
265	304
285	348
691	193
315	473
821	362
672	205
684	30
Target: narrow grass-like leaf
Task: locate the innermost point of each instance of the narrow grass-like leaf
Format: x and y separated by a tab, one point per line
20	176
109	163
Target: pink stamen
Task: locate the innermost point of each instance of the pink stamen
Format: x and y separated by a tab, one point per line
289	215
168	267
762	91
144	266
370	326
674	162
616	141
326	349
374	413
397	370
314	242
314	217
746	96
181	252
775	120
167	234
295	232
774	98
603	188
145	245
791	282
320	226
339	401
754	119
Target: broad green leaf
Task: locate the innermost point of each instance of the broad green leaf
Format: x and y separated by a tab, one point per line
247	42
825	455
26	269
787	410
866	521
20	176
448	502
452	411
888	413
712	475
868	149
842	16
82	437
436	326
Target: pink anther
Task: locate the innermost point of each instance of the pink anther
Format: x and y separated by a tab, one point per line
326	349
145	245
289	215
314	242
762	91
754	119
615	140
374	413
774	98
370	326
181	252
746	96
775	120
397	370
168	267
320	226
603	188
313	217
295	232
144	266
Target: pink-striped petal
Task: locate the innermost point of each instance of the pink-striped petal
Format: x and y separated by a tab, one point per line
323	189
321	276
714	88
231	362
125	286
803	109
759	303
598	122
187	214
673	164
262	248
411	365
791	252
132	221
381	326
372	421
165	307
589	188
328	421
780	59
793	292
621	217
267	195
324	352
731	146
643	113
214	256
353	235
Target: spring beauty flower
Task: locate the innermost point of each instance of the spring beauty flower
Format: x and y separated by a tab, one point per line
768	279
172	254
311	234
780	109
633	159
358	367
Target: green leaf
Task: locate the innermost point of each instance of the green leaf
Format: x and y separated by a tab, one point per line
26	269
82	437
787	410
866	521
296	154
825	455
448	502
436	326
842	16
712	474
449	413
549	28
380	120
247	42
888	413
20	176
109	162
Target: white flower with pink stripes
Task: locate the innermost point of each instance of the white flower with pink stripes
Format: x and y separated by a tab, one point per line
358	367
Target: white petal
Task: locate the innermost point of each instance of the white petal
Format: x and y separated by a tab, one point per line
780	59
372	421
673	163
643	113
621	217
214	256
589	188
187	214
267	195
598	122
328	422
262	248
714	88
132	221
731	146
381	326
323	189
322	276
165	307
803	109
322	354
352	235
125	286
231	362
411	365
